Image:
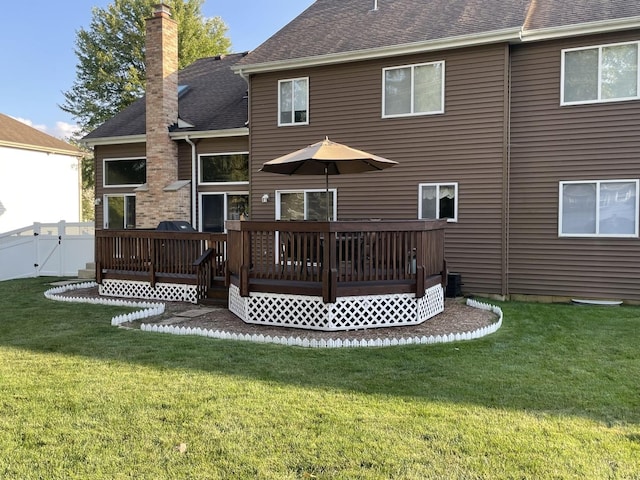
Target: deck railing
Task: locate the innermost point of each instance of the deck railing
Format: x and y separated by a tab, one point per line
161	256
334	259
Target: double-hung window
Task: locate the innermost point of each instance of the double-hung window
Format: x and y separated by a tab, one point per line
224	168
293	101
413	90
438	200
124	172
607	208
603	73
305	204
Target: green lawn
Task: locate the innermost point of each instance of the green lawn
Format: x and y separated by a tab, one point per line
554	394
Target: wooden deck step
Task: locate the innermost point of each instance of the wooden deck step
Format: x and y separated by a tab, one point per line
216	296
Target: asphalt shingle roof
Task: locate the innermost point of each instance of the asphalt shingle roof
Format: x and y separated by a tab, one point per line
342	26
215	100
16	134
558	13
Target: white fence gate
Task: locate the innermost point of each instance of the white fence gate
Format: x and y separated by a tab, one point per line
46	249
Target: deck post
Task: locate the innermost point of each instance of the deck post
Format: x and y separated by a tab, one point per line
99	272
420	281
245	245
244	281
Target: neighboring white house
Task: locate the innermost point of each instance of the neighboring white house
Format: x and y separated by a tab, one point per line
39	177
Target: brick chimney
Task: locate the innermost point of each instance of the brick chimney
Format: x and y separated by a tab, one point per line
160	199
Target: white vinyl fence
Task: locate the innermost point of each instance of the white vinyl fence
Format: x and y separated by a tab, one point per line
46	249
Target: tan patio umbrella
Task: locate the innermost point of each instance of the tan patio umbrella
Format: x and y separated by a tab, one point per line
326	158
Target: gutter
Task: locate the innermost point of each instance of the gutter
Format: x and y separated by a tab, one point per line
228	132
142	138
43	149
590	28
194	176
518	34
506	35
92	142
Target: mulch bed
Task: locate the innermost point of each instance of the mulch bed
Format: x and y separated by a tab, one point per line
456	318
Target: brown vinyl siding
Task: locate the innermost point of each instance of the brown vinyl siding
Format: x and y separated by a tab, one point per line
100	152
549	144
211	146
464	145
203	146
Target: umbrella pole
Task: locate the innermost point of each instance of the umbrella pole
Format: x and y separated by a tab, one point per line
326	184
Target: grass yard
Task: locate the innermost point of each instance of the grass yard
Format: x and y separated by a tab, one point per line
554	394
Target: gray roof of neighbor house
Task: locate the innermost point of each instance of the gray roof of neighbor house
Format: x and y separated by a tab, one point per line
334	28
215	99
15	134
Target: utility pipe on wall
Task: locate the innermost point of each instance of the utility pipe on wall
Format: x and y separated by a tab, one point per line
194	177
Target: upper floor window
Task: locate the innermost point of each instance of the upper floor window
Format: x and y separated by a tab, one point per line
224	168
438	200
413	90
124	172
293	101
607	208
605	73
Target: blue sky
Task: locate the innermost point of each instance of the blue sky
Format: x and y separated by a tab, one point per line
37	59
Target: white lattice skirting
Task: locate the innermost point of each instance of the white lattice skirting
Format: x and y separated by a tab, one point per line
169	292
153	309
347	313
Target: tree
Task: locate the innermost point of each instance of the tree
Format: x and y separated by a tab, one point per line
110	73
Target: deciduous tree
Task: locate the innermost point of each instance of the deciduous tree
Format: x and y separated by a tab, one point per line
110	73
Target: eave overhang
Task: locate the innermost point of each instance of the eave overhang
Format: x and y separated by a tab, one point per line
511	35
37	148
582	29
229	132
498	36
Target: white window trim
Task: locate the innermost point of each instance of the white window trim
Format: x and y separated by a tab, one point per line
599	99
413	114
438	185
226	205
597	235
105	206
200	155
332	191
293	113
115	159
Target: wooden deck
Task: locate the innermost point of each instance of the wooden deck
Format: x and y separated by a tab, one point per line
336	259
324	259
191	258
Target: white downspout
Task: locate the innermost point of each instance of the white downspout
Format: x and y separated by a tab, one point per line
194	177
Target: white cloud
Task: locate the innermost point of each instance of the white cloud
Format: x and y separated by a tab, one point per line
64	130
